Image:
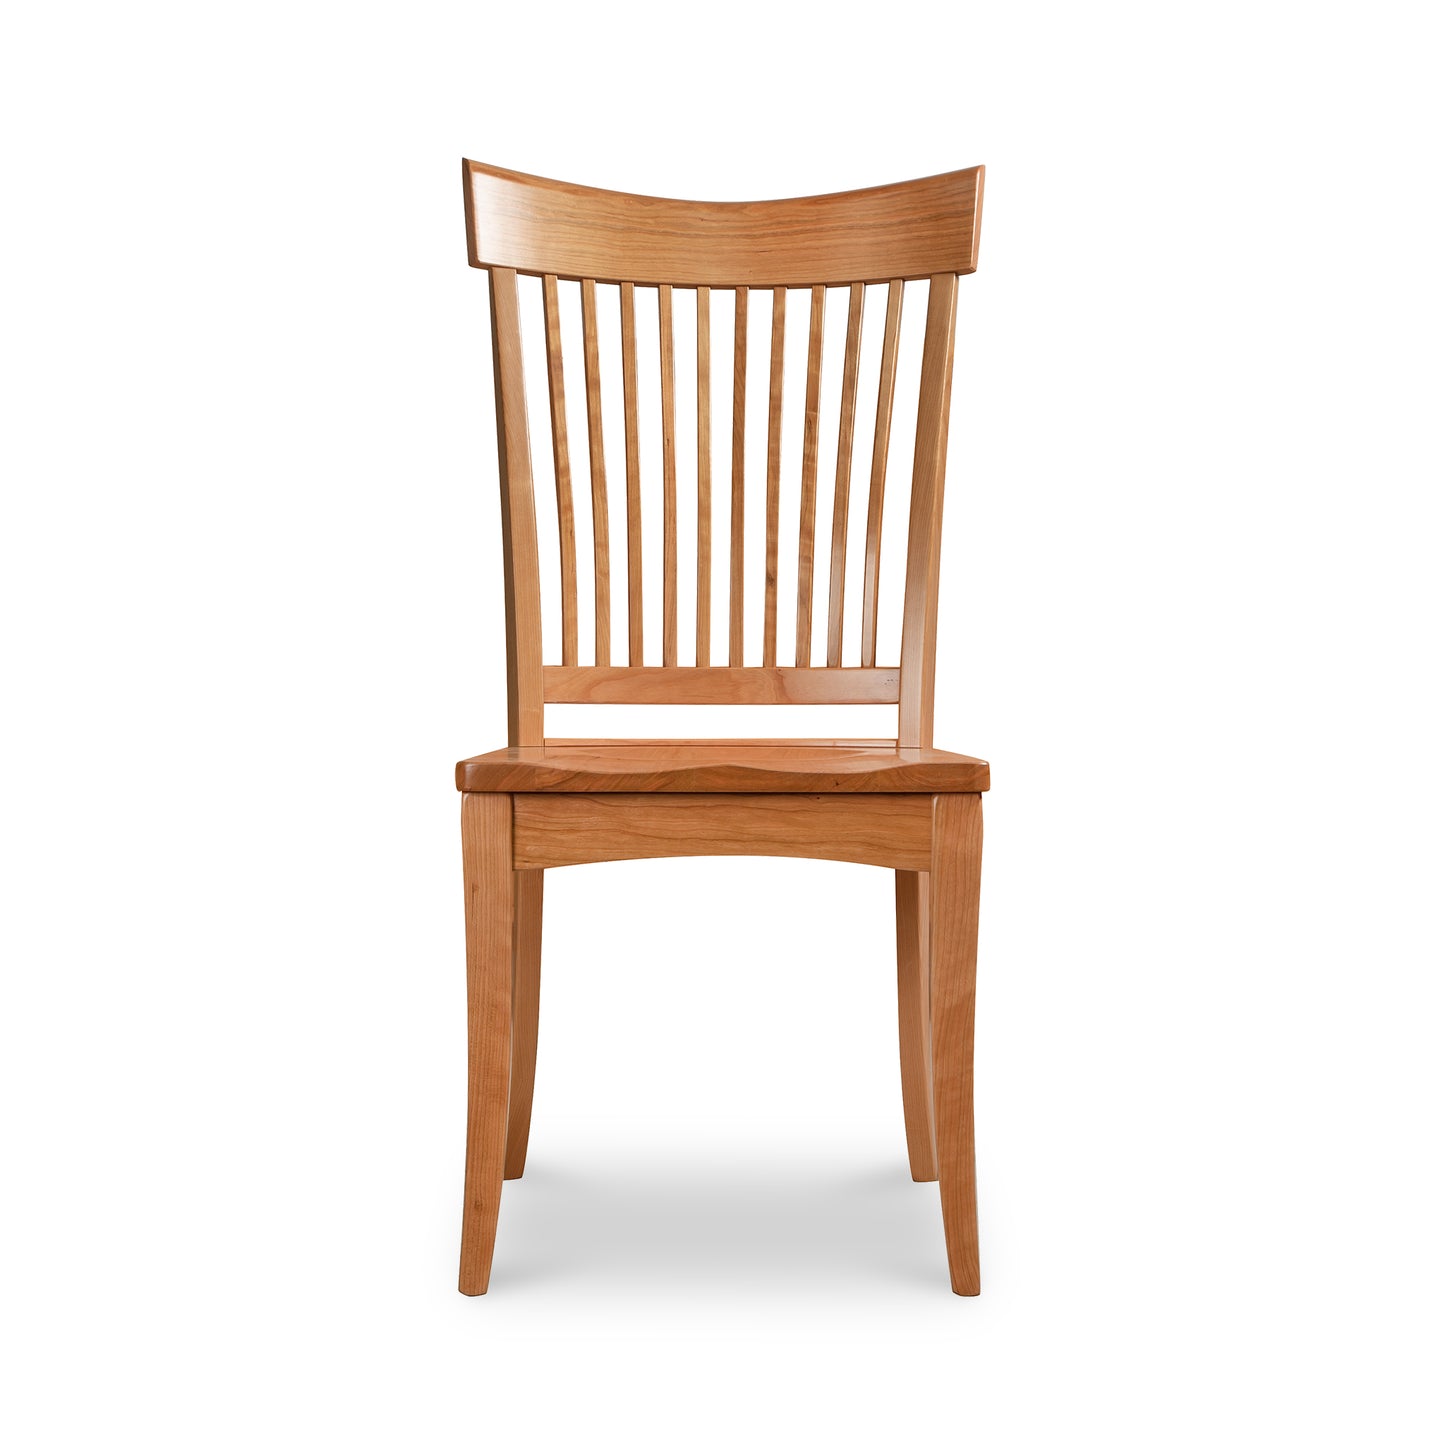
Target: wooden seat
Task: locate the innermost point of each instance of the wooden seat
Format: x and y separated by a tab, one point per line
576	257
781	766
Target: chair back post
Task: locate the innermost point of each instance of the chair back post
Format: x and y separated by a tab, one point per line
520	575
925	518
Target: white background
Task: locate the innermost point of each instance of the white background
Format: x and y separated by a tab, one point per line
252	617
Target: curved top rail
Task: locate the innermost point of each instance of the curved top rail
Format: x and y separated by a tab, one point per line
907	230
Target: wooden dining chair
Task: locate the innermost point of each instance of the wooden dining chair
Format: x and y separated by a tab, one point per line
543	802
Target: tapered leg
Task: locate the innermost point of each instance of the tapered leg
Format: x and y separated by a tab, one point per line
915	1047
954	880
487	872
526	992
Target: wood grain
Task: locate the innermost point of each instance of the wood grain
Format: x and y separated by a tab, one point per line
526	999
601	550
562	466
775	478
915	1044
487	875
890	744
882	431
808	505
669	478
720	685
634	474
554	830
704	476
909	229
843	474
893	803
522	586
925	518
748	766
740	386
953	932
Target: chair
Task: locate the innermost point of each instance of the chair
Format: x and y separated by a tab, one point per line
545	802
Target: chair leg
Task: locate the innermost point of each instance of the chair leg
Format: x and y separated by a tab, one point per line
915	1048
488	876
954	880
526	996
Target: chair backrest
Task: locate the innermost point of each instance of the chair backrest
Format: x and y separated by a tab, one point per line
882	237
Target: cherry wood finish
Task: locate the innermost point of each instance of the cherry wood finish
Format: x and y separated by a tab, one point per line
721	767
925	519
562	468
775	478
545	802
487	867
953	876
703	640
526	998
553	830
634	474
521	593
913	229
915	1040
669	477
597	455
808	512
842	478
721	684
736	578
882	432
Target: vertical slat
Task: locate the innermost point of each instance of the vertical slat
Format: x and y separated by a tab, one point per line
600	551
562	466
704	476
882	426
669	479
775	470
843	477
925	518
522	588
808	508
740	384
634	476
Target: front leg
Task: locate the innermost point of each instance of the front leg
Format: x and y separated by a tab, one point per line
487	874
953	888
